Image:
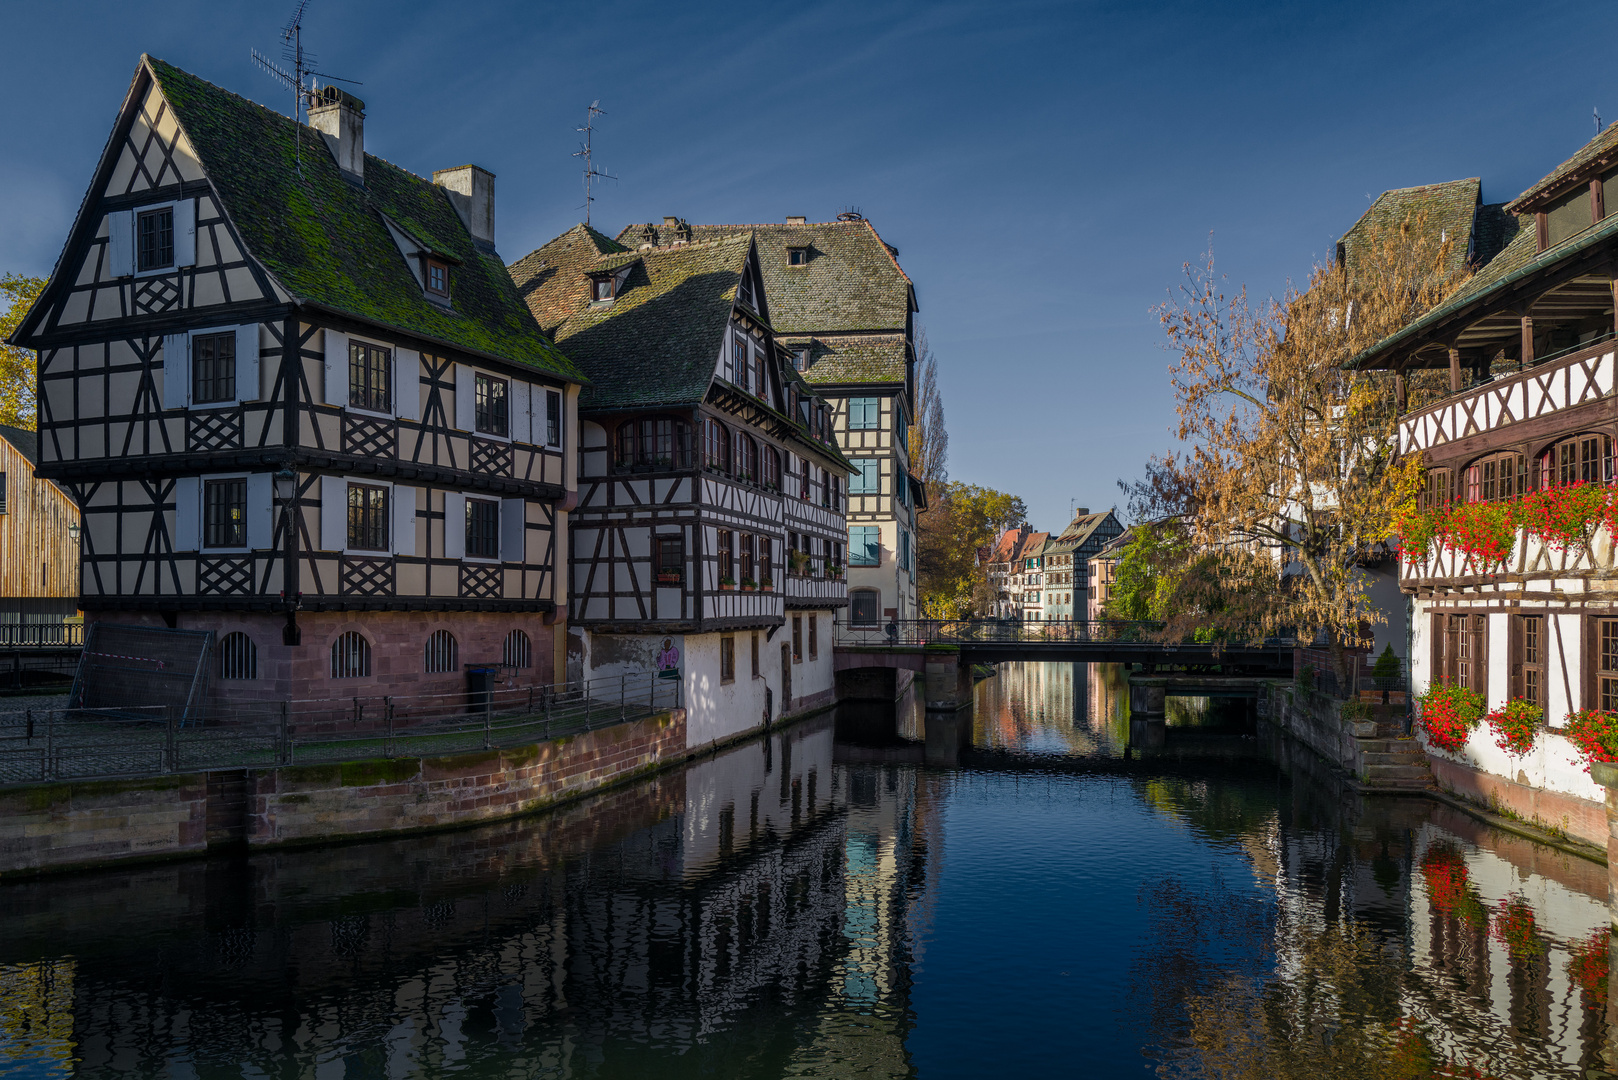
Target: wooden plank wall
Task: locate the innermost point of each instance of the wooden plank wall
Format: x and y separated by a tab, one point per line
37	556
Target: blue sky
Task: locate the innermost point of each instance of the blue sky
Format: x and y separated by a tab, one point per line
1044	168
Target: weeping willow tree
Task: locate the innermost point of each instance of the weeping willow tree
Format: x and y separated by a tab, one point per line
1287	476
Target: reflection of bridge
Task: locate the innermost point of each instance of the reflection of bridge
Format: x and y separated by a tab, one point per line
1101	641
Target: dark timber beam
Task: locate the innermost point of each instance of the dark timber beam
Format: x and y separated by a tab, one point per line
1454	369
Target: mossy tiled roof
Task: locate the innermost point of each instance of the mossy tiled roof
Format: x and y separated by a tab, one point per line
868	359
852	280
1603	146
658	341
1446	211
323	238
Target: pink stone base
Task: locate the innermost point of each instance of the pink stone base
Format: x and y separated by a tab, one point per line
1582	819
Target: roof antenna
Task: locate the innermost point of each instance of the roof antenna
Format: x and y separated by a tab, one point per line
591	173
301	79
1597	114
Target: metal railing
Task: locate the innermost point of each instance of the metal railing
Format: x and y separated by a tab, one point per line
38	746
41	635
912	632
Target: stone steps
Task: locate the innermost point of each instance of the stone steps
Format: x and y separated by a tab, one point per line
1381	774
1414	757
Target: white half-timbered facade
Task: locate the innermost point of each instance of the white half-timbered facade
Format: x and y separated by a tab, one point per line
299	403
711	492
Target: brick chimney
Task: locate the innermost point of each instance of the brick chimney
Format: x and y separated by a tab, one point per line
340	119
471	192
797	219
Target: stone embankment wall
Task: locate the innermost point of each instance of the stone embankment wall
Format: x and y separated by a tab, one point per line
86	823
1315	721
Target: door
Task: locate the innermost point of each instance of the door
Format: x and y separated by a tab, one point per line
786	678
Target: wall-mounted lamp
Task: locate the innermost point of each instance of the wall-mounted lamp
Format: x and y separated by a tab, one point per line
286	484
73	532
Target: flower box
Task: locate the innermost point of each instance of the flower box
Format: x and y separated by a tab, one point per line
668	579
726	588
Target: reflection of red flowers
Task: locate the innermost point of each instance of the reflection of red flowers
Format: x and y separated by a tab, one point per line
1449	888
1516	929
1412	1056
1588	968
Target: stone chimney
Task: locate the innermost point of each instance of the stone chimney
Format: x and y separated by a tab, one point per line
1083	511
340	119
797	219
471	192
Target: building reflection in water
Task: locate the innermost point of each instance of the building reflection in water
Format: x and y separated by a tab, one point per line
764	911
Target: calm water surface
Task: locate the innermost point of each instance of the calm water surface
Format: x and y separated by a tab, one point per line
1039	888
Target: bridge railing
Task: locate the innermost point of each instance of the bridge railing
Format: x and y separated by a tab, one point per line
913	632
41	635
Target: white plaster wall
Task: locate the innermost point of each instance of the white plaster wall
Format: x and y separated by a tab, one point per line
717	710
1552	765
811	676
1564	669
1497	663
765	770
1421	648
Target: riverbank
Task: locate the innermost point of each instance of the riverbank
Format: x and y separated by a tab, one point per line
89	824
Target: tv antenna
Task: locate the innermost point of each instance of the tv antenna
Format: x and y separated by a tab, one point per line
591	173
302	80
1596	112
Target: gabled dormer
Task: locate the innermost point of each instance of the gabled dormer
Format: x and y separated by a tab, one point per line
1575	195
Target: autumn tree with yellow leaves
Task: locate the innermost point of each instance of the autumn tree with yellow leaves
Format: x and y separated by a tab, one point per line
1287	477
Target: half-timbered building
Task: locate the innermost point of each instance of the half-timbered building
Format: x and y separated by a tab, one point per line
301	405
845	309
709	536
1526	401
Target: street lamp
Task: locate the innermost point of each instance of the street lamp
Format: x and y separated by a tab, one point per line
73	531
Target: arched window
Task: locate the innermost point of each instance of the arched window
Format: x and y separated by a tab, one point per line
518	651
654	442
439	655
1436	493
238	657
772	468
1497	478
1583	459
350	656
718	447
746	457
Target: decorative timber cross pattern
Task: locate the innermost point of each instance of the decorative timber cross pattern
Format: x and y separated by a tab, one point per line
216	429
491	457
369	437
480	582
367	577
1532	394
225	575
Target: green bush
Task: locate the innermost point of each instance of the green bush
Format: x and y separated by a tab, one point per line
1387	665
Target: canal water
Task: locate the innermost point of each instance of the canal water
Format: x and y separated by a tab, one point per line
1047	887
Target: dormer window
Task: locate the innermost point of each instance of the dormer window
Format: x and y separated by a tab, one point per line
437	278
798	256
800	358
603	288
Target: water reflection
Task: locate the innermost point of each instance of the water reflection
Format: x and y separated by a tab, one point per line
883	892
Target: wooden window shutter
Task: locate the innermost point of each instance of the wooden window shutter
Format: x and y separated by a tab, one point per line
521	411
1514	689
465	397
121	243
1436	671
454	525
1480	640
1590	682
247	363
407	384
187	513
176	371
333	511
260	511
185	232
402	506
336	370
513	530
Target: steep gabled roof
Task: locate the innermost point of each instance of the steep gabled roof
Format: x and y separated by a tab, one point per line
1447	212
1113	548
323	237
1032	545
1599	151
865	359
658	341
553	280
852	280
1081	528
26	442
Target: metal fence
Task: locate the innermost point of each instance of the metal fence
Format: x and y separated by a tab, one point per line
1318	670
55	635
64	744
968	631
